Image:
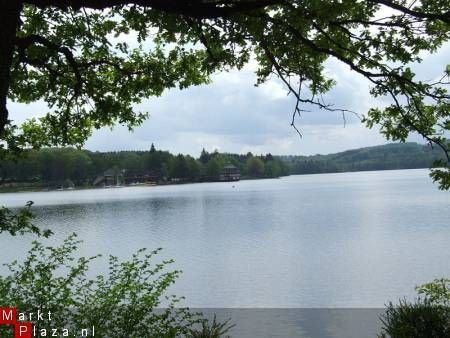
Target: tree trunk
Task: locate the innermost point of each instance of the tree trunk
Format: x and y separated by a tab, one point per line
9	21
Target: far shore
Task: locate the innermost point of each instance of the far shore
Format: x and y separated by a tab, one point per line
25	189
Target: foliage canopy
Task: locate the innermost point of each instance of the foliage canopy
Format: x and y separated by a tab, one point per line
93	61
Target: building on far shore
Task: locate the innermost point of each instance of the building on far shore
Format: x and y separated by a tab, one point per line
143	177
230	173
111	177
115	177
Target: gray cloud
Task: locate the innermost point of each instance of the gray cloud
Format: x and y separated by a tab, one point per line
233	115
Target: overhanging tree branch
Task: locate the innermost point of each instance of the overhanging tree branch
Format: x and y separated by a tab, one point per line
24	42
192	8
445	17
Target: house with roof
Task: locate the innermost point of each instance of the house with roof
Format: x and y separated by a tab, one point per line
229	173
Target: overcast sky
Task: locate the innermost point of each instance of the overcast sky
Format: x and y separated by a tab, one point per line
232	115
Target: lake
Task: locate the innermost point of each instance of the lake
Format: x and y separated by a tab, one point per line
330	240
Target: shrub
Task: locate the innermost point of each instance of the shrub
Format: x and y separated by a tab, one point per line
129	301
122	304
212	329
421	319
437	291
427	317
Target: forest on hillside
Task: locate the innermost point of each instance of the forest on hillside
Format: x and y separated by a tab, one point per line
384	157
70	167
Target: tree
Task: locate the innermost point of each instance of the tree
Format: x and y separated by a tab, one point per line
213	168
179	167
194	168
255	167
76	56
204	156
272	169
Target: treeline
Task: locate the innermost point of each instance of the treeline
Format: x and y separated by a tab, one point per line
385	157
56	167
68	166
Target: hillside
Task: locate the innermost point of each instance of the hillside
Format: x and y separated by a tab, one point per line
384	157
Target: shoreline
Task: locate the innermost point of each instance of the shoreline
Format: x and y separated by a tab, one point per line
4	190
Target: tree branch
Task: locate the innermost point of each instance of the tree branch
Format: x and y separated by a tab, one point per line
445	17
24	42
191	8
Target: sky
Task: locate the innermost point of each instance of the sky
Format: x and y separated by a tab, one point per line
232	115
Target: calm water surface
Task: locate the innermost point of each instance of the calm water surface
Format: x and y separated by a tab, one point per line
332	240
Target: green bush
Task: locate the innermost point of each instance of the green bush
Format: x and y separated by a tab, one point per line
421	319
121	304
129	301
437	291
427	317
213	329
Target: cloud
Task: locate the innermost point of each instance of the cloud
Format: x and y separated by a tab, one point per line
232	115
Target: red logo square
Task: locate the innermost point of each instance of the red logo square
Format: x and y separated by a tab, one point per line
8	315
23	330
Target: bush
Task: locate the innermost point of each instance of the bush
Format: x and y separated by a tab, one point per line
437	291
122	304
428	317
212	329
129	301
421	319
